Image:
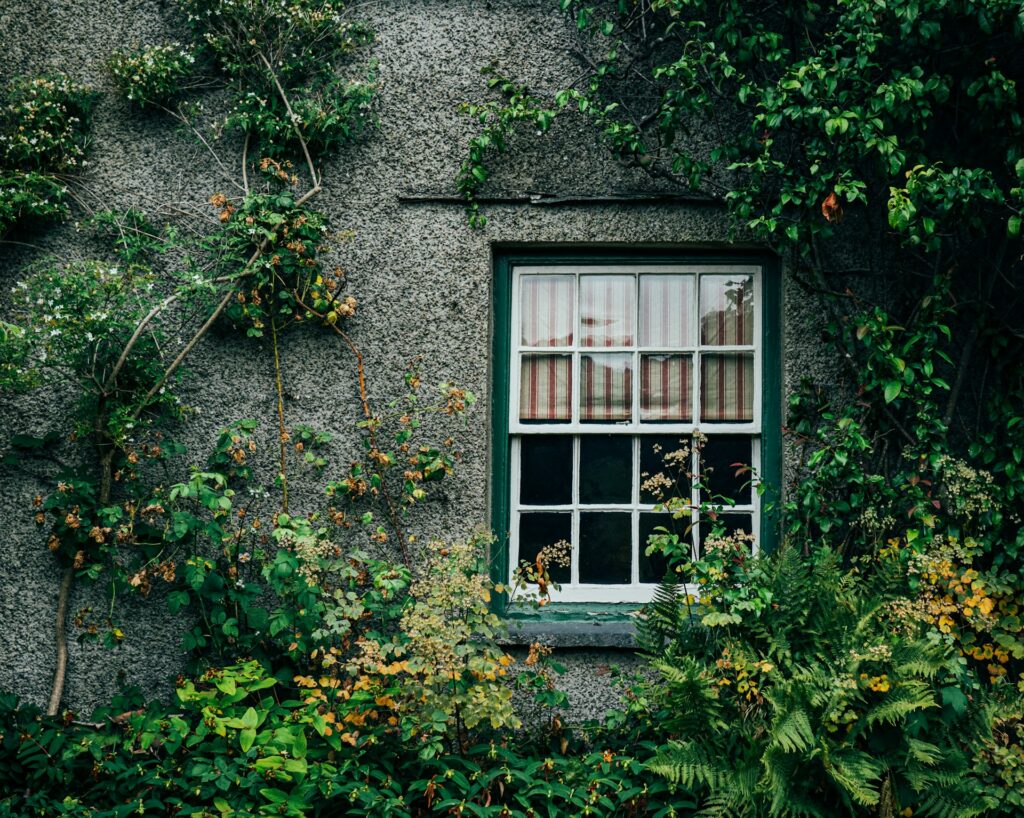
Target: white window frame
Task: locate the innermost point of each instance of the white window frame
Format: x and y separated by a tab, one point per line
634	592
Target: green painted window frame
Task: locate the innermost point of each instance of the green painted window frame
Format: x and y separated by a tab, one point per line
504	260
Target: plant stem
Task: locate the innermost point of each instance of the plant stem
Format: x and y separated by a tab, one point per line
60	632
282	431
294	120
368	414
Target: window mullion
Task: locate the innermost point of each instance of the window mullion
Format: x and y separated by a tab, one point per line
574	571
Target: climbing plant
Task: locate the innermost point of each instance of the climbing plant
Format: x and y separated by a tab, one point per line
878	149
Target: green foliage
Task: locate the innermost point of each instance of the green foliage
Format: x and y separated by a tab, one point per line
157	74
43	142
279	64
826	701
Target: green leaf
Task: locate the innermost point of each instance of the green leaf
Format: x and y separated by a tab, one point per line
955	698
892	391
246	739
227	686
250	719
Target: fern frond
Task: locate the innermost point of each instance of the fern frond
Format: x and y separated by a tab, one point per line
792	731
901	701
857	773
661	620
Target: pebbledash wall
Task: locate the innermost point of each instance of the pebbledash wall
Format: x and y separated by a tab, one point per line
422	275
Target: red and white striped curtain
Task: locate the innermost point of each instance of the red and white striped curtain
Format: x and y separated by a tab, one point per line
726	310
547	310
607	310
727	387
609	318
545	388
606	389
665	388
666	307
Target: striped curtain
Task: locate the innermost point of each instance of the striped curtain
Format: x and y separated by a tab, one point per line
606	389
727	387
665	384
545	388
726	310
607	310
547	310
666	304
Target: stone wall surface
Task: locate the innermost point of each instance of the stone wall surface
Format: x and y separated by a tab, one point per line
422	276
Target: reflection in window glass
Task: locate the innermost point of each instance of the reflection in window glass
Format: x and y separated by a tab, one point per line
666	388
607	310
726	310
606	387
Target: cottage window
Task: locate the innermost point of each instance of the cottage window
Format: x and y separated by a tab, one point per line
611	365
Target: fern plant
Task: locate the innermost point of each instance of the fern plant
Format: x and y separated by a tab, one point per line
827	700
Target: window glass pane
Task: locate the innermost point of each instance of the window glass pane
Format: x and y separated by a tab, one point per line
721	458
546	310
540	529
654	567
726	310
606	387
606	547
606	469
727	387
666	388
545	470
666	309
545	388
607	308
674	481
731	523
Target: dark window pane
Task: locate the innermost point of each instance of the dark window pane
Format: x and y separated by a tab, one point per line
729	522
539	529
606	547
653	452
606	469
654	567
545	470
721	458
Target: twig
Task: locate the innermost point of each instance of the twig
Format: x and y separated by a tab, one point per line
183	354
153	313
245	161
282	432
314	181
368	414
184	120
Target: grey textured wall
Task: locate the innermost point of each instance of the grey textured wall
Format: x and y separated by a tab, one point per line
421	274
